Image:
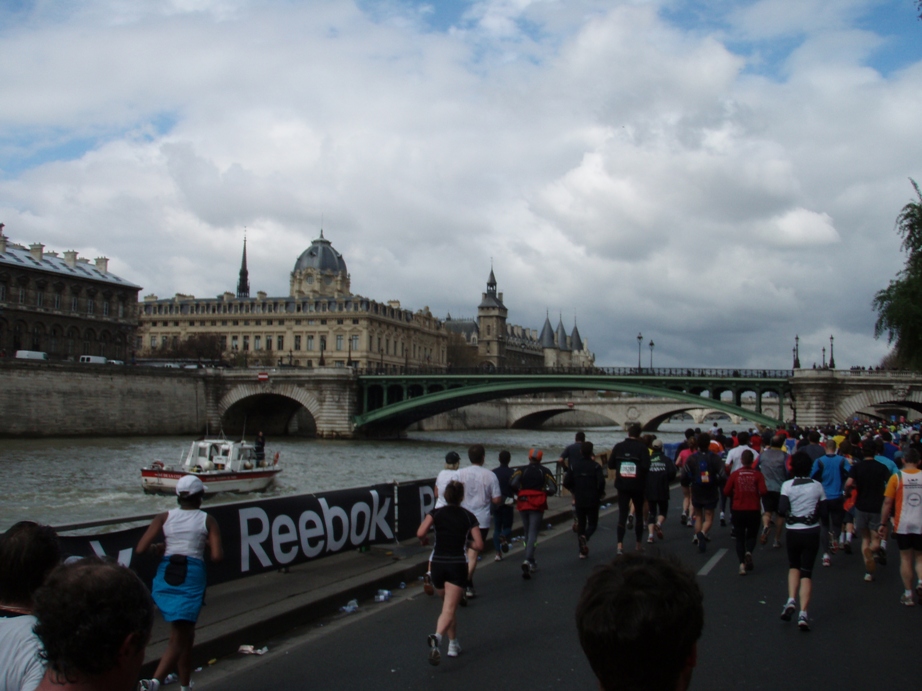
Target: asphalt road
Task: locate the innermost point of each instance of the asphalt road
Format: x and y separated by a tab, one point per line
521	634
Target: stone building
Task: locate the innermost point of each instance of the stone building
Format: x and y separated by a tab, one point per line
319	323
503	345
63	305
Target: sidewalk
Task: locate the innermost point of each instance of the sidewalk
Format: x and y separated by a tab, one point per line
252	610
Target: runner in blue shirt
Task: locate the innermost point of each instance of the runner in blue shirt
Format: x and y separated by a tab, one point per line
832	471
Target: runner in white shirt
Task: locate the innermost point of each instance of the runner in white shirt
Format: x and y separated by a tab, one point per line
481	492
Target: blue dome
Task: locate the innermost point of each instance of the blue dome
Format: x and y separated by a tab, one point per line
321	255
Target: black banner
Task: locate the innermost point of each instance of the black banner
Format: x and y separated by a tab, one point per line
414	499
268	534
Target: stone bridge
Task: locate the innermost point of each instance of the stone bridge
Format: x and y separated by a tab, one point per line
50	399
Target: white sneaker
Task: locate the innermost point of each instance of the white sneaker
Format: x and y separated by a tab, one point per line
454	648
434	655
149	685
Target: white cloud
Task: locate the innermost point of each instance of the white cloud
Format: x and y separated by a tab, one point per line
613	165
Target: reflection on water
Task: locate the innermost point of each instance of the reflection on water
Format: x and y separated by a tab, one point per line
58	481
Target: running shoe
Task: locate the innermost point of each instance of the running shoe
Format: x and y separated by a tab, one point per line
868	578
881	556
742	569
788	611
428	588
454	648
695	539
776	544
583	546
630	522
763	536
702	543
504	543
802	622
149	685
683	519
470	593
833	544
650	539
526	570
869	564
620	551
498	557
659	530
847	547
532	566
723	520
907	600
435	657
827	560
747	560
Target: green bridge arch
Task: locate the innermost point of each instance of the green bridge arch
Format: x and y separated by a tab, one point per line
401	400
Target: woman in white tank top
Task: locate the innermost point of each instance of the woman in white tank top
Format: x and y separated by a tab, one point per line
179	586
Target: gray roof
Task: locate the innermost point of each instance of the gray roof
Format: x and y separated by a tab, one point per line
576	343
20	257
547	334
321	255
562	336
465	327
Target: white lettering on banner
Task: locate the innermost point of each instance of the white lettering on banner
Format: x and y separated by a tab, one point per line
124	555
426	501
254	542
380	517
310	551
283	533
329	514
358	509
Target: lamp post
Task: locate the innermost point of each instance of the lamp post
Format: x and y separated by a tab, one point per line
832	357
824	357
639	344
796	352
651	353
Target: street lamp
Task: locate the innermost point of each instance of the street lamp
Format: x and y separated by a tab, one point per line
824	357
639	344
651	353
796	352
832	357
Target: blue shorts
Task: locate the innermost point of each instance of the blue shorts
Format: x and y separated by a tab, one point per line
180	602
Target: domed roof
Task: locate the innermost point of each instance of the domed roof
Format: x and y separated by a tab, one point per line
321	255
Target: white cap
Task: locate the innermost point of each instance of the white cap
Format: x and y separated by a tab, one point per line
189	484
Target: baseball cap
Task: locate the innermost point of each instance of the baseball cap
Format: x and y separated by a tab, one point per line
452	457
657	443
189	484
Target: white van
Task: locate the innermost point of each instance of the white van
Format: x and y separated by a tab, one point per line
31	355
92	360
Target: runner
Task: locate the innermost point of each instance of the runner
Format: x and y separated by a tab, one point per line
481	492
662	473
532	485
630	459
704	473
903	501
745	487
503	514
688	512
869	478
831	470
586	481
802	503
446	475
773	464
456	529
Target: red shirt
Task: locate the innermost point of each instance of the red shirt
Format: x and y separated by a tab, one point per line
746	487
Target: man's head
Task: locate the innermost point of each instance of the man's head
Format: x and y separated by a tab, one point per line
801	464
746	458
504	458
813	437
911	457
831	446
476	453
586	449
627	610
94	621
633	430
580	436
452	460
743	438
535	455
777	441
28	553
704	442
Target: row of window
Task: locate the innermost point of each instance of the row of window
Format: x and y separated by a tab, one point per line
257	322
57	300
270	308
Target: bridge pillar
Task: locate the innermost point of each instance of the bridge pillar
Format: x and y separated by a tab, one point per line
815	393
335	389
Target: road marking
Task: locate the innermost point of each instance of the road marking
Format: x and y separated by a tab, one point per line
712	562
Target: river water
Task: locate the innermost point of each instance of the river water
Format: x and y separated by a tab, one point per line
59	481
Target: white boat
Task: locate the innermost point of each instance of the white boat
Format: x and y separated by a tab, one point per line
221	465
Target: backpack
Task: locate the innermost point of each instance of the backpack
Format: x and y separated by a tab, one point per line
703	477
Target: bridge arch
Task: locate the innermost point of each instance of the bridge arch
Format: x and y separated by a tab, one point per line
871	399
278	410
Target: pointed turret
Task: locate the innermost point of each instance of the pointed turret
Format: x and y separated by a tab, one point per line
576	343
243	282
547	334
562	340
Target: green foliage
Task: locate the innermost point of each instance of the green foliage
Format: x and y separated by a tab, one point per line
899	305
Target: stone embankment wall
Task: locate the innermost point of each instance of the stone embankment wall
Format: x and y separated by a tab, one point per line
62	400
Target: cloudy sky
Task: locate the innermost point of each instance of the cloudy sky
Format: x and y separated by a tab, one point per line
719	175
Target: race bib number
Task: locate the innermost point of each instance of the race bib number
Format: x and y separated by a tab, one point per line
628	469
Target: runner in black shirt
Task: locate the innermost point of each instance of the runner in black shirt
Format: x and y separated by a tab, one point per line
630	459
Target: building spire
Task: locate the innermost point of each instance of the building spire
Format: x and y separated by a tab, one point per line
243	282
